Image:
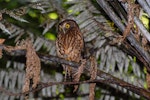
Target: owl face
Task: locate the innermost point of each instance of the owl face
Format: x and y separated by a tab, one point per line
67	25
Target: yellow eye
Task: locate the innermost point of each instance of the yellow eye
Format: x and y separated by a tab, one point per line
67	26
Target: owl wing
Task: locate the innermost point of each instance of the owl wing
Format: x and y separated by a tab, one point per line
59	46
69	46
76	45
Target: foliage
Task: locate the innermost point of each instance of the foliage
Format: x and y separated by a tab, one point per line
38	20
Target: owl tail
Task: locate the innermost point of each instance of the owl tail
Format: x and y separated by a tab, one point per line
68	72
72	74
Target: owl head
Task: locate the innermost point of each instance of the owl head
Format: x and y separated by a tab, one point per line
66	25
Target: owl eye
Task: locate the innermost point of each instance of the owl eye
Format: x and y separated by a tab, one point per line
67	26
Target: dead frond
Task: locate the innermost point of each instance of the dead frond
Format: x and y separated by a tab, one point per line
33	67
78	74
93	73
1	16
1	42
148	80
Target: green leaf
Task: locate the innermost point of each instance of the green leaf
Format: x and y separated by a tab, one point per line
53	15
50	36
32	14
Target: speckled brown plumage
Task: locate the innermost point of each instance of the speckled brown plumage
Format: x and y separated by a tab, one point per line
69	45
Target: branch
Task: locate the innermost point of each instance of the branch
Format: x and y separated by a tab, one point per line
45	85
106	78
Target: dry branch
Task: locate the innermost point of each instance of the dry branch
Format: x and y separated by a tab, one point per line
106	78
107	81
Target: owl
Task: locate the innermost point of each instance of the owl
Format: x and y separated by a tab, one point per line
69	45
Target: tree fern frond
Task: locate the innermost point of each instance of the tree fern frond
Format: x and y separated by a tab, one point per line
49	25
77	8
2	27
12	29
49	45
98	32
15	16
94	29
44	6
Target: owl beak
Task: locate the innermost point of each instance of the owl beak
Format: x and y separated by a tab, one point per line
62	28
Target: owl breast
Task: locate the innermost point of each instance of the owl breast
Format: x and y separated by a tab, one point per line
70	45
